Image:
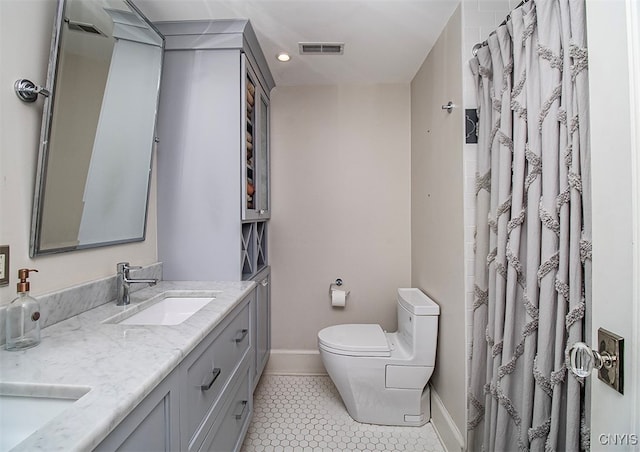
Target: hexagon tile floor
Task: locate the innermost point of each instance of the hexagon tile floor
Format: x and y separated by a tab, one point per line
306	414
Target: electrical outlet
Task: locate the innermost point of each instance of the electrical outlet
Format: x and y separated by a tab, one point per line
4	265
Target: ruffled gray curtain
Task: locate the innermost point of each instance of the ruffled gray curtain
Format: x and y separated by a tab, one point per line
533	253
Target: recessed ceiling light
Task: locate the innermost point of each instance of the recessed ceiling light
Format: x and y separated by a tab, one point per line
283	56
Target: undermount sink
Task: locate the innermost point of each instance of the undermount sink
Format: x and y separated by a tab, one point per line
168	308
26	408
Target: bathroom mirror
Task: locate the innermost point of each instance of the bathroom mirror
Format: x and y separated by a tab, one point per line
98	127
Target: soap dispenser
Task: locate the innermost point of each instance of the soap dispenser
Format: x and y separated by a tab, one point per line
23	317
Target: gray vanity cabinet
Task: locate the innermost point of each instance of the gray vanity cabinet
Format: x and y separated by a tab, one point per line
206	402
229	428
262	323
154	425
213	153
211	371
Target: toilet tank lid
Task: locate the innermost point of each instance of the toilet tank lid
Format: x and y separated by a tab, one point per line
416	302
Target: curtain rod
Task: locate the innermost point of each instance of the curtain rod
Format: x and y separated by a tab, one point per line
479	45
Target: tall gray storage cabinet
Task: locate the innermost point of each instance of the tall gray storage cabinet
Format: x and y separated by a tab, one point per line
213	162
213	154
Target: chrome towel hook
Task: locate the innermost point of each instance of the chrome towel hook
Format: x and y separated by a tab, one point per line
449	107
27	91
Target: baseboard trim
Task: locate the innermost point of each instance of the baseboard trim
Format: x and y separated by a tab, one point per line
445	428
294	362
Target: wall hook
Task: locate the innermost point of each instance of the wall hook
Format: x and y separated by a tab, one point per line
27	91
449	107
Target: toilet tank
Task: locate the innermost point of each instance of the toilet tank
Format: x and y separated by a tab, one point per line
418	324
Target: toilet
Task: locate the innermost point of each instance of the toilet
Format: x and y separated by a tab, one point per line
382	377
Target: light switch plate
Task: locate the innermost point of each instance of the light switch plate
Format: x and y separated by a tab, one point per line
4	265
612	344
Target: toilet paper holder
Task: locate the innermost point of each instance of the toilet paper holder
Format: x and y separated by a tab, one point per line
337	294
335	285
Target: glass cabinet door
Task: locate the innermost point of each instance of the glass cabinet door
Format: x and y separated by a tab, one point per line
255	147
249	108
263	158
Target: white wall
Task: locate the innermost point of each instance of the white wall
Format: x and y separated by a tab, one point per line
29	24
340	172
615	136
437	208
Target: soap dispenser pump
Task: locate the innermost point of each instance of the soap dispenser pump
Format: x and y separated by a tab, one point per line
23	317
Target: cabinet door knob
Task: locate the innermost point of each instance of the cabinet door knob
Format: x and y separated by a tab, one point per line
214	376
262	211
264	282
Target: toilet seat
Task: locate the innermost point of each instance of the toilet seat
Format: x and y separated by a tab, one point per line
354	340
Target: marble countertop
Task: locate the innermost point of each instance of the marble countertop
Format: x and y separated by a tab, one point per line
119	364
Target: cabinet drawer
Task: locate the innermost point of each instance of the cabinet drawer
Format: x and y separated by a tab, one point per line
228	431
209	374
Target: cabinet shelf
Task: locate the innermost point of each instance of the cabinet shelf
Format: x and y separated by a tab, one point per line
253	248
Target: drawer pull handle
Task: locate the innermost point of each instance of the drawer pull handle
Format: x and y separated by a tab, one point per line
242	335
241	413
214	376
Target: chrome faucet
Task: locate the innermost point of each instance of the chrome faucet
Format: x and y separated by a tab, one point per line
123	282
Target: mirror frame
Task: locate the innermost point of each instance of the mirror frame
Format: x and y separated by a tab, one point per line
45	132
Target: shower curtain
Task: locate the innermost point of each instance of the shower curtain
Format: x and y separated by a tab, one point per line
533	248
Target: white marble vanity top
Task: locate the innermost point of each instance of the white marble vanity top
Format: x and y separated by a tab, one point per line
119	364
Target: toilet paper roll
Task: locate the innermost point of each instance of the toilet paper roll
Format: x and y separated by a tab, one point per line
338	298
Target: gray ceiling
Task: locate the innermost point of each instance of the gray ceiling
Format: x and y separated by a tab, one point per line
386	41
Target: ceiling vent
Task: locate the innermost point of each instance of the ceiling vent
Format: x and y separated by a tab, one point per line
87	28
321	48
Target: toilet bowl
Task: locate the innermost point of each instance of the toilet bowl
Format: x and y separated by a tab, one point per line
382	377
